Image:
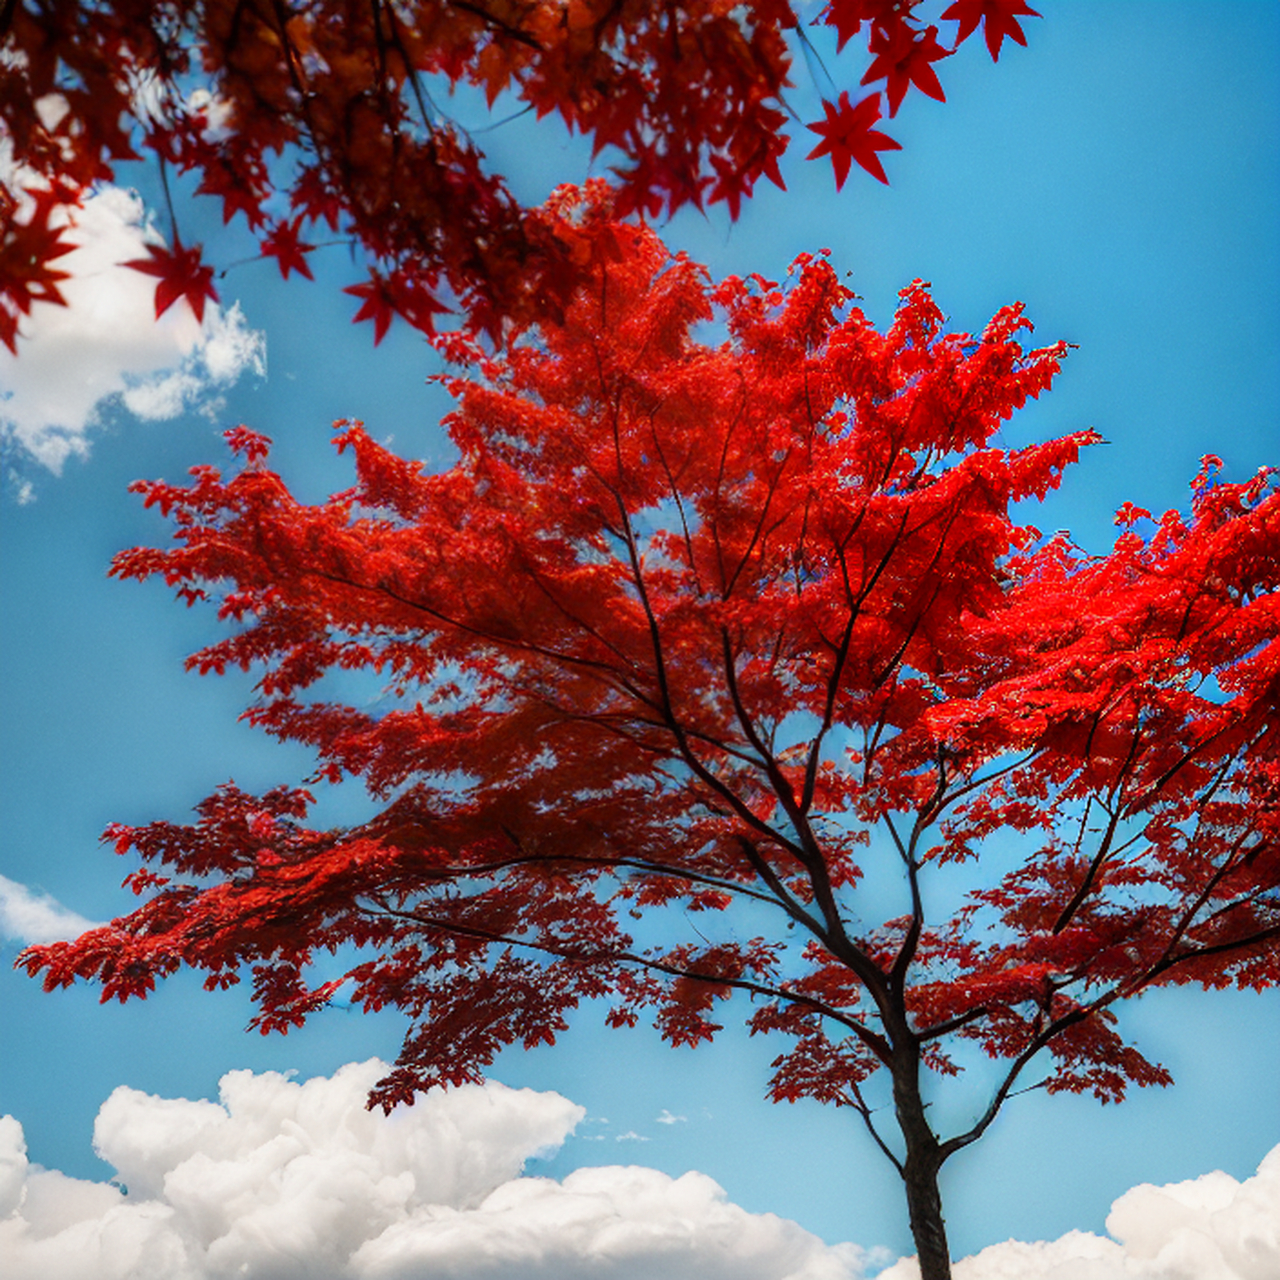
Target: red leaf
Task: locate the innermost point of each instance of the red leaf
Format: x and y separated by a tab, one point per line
904	57
181	275
415	301
316	200
9	329
234	190
251	444
26	249
847	136
283	245
766	158
1128	514
998	17
732	185
642	185
847	16
378	305
397	294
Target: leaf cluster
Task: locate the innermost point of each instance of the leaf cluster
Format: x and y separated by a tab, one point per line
697	633
324	116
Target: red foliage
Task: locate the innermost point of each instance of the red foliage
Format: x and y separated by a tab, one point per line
701	629
27	247
999	18
904	57
847	136
285	246
335	103
182	275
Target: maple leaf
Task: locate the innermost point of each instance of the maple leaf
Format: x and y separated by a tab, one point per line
181	274
416	301
236	195
283	245
316	200
883	16
732	185
378	305
735	181
233	171
999	18
638	192
764	159
26	249
905	57
847	136
386	296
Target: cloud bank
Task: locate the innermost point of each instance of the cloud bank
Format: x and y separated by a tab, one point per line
1210	1228
27	917
106	345
281	1181
288	1181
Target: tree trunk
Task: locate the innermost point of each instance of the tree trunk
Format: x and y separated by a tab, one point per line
928	1229
920	1175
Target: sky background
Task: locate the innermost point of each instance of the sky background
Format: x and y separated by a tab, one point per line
1120	177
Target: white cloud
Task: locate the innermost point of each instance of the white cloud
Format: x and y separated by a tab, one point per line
106	345
612	1223
1211	1228
282	1181
29	918
667	1118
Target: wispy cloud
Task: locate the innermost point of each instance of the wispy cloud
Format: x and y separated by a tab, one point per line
285	1180
29	917
106	346
667	1118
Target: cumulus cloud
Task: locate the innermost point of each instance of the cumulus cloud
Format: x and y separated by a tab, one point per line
27	917
1210	1228
106	346
281	1180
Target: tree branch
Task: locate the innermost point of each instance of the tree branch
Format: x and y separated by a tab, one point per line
873	1040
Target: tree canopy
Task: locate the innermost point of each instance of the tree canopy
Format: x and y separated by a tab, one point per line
728	617
313	118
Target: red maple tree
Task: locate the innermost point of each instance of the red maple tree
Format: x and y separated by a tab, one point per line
703	632
333	109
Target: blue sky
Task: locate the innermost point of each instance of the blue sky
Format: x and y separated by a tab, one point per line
1120	177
